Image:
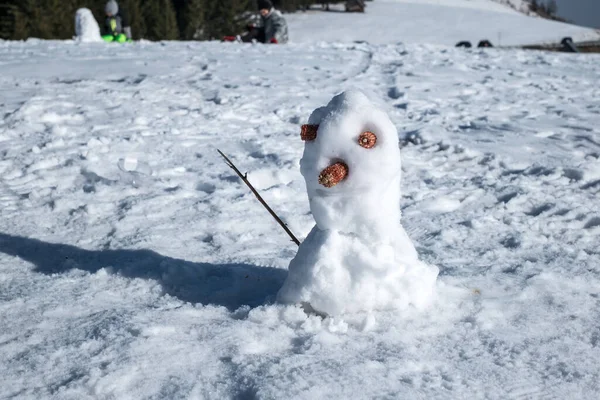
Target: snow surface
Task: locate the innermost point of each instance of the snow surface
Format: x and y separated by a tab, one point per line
522	6
159	282
358	257
135	264
86	27
445	22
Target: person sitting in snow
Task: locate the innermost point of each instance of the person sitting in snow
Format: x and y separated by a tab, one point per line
273	24
273	27
116	26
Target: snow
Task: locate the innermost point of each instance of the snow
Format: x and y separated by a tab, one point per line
86	27
160	281
445	22
358	257
522	6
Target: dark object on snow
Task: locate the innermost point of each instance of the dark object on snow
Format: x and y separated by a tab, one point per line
270	27
116	21
466	44
582	47
355	6
253	33
568	45
275	27
264	5
485	43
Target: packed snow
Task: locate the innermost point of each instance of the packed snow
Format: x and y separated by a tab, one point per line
357	257
445	22
86	26
135	264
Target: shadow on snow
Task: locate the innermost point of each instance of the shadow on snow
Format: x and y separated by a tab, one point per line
228	285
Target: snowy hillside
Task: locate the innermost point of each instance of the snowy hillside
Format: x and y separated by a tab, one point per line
134	263
433	22
522	6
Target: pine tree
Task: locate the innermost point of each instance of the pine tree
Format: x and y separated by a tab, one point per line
7	20
160	19
225	17
193	21
552	7
133	8
27	20
534	6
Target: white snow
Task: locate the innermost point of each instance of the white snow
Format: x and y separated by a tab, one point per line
86	27
522	6
445	22
160	281
358	256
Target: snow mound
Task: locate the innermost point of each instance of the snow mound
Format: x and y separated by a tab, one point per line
358	256
86	27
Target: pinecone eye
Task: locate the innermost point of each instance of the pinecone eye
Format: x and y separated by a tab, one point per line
367	139
309	132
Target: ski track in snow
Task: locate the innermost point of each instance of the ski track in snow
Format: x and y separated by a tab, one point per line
159	284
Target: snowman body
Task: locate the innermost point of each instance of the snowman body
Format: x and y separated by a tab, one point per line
86	27
358	256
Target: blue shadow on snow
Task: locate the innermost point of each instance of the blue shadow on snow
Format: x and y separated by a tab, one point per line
228	285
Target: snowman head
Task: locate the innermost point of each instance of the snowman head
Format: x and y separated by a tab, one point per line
351	146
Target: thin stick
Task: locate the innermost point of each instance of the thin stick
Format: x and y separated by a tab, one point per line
245	179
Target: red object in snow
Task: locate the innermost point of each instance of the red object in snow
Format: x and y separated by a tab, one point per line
333	174
309	132
367	139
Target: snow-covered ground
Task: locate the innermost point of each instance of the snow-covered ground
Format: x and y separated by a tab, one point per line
444	22
135	264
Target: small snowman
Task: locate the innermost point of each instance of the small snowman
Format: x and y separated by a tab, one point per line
358	256
86	27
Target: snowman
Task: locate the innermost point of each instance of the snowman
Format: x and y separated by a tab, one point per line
86	27
357	257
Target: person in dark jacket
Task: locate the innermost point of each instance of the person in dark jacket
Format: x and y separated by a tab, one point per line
274	25
272	29
116	26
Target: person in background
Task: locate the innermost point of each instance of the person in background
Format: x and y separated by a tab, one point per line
116	26
274	25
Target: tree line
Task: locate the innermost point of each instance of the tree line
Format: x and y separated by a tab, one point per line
149	19
546	9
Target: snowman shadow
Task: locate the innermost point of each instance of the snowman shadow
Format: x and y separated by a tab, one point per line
229	285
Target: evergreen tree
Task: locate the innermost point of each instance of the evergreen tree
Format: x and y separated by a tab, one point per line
28	20
193	22
552	7
226	17
7	20
161	21
133	8
534	6
293	5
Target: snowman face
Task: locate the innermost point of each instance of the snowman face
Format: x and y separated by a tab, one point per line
350	145
335	173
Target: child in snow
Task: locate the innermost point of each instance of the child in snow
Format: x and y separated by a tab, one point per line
116	25
273	27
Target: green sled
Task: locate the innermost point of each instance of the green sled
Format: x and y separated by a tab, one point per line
120	38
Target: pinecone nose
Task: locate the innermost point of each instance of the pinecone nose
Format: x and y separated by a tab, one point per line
333	174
